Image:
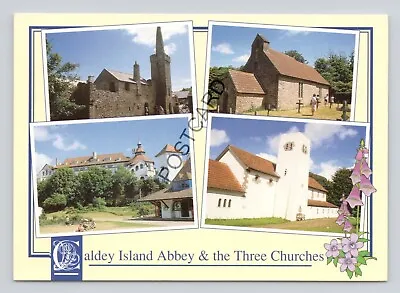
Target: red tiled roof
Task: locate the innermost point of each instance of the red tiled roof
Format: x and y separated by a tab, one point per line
252	161
91	161
245	83
315	184
318	203
289	66
220	176
168	149
140	157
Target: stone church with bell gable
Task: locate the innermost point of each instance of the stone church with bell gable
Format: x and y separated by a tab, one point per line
118	94
270	79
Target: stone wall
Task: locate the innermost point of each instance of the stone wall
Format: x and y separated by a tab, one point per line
288	92
227	100
245	103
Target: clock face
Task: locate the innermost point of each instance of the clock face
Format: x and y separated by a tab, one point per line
288	146
305	149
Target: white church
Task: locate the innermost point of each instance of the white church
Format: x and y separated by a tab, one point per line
243	185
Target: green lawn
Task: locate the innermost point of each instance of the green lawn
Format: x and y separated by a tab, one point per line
323	112
315	225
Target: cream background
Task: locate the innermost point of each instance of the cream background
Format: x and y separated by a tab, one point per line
205	239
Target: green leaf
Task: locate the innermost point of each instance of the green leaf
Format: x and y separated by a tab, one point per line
349	273
329	260
363	240
335	261
363	253
371	257
341	253
361	260
358	272
362	233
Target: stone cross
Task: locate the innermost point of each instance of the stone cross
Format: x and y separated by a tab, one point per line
345	109
299	104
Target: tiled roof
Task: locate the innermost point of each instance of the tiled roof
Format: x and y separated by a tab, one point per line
245	83
315	184
125	77
140	157
91	161
185	173
252	161
168	194
220	176
168	149
318	203
289	66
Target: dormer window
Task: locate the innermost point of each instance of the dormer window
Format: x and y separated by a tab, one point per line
305	149
288	146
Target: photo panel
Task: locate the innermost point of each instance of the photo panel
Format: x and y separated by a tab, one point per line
113	176
282	71
119	71
283	175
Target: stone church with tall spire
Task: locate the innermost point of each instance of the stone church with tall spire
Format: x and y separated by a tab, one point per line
119	94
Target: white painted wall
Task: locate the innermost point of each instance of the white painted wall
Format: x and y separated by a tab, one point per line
174	164
237	168
237	209
166	212
320	212
145	172
316	195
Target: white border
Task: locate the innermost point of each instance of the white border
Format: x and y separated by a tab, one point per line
32	126
189	24
265	118
286	28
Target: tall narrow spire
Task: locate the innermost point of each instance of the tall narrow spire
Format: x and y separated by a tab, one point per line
159	42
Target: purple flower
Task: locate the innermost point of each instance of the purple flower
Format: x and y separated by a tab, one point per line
356	174
341	219
361	154
366	187
344	208
365	170
347	226
332	248
351	246
347	262
354	198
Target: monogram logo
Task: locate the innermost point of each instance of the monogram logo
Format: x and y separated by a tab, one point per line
66	257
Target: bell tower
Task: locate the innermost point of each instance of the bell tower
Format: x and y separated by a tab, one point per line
293	167
161	75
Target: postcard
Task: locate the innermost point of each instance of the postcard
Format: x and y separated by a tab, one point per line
152	147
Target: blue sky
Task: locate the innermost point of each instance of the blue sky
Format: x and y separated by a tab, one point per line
75	140
232	45
333	146
118	49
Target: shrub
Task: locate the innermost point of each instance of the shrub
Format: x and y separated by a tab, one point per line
99	203
55	203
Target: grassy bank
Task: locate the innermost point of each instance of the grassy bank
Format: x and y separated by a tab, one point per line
256	222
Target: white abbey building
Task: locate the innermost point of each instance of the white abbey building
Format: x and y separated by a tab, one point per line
243	185
140	164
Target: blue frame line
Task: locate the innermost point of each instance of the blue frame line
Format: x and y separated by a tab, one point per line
199	265
31	242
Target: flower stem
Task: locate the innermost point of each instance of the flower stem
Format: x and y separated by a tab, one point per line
357	219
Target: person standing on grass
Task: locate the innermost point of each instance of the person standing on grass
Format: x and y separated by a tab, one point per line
313	104
326	99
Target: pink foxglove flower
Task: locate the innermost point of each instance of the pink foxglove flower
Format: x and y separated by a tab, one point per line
347	262
332	248
350	245
365	170
356	174
366	187
341	219
347	226
354	198
344	208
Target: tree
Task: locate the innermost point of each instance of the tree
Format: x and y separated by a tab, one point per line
341	184
60	82
338	71
54	203
296	55
95	182
148	186
124	184
62	182
220	73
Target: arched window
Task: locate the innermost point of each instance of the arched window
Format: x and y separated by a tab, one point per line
137	168
224	202
219	202
141	166
229	203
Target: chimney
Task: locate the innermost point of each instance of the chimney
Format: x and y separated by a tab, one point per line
56	162
94	155
136	77
90	79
